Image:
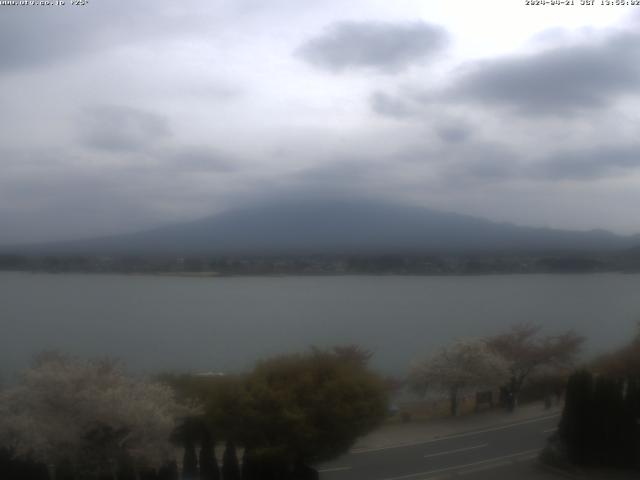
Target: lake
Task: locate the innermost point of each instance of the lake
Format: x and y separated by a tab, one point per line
225	324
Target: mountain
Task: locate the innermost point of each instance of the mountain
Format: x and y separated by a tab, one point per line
341	226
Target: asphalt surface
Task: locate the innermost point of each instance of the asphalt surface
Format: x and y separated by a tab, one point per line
503	451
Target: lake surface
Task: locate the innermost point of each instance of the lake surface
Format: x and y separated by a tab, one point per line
224	324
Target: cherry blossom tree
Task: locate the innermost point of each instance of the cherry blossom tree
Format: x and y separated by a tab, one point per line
527	352
89	414
466	364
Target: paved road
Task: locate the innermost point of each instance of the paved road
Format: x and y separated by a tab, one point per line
504	451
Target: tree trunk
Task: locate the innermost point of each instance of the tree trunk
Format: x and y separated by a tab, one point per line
516	387
189	462
114	470
453	397
230	467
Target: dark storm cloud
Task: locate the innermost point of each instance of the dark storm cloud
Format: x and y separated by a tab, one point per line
600	162
563	80
121	129
386	47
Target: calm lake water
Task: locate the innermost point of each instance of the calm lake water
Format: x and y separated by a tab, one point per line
225	324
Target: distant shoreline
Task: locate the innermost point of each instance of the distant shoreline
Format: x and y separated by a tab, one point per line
209	275
407	264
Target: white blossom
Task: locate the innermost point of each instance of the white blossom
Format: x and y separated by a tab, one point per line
73	409
467	363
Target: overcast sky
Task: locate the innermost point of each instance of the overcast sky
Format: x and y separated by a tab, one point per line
123	114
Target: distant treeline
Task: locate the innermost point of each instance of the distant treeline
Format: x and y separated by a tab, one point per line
324	264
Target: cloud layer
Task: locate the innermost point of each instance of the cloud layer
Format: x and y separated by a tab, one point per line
121	129
121	115
385	47
559	81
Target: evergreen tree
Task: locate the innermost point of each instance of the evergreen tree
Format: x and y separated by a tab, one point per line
64	471
631	433
304	472
169	471
126	469
42	472
574	427
605	442
599	424
189	461
28	469
5	463
208	463
149	474
249	467
230	467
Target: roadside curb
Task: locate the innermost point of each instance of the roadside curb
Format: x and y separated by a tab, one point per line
558	471
578	473
461	433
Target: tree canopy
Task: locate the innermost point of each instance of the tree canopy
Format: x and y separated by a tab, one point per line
88	413
292	409
526	351
624	362
311	407
468	363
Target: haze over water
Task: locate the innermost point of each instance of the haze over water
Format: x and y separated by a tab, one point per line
158	323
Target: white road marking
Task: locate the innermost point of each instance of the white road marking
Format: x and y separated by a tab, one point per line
336	469
485	467
457	435
460	467
456	450
530	456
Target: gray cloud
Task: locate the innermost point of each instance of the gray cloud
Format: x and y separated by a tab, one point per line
96	202
346	172
454	133
390	106
599	162
386	47
29	36
486	162
563	80
44	197
477	162
33	36
200	159
501	130
121	129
